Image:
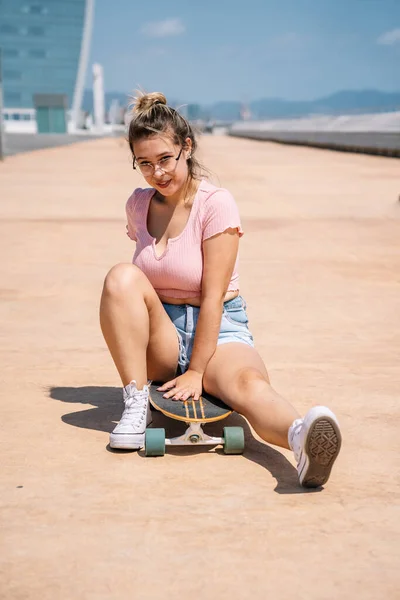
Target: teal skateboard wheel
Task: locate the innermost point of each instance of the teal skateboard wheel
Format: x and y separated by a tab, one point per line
233	440
154	442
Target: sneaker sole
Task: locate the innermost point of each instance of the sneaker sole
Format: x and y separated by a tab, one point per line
121	444
322	447
120	441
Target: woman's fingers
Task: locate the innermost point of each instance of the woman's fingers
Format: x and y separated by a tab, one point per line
186	394
181	394
167	386
174	392
188	385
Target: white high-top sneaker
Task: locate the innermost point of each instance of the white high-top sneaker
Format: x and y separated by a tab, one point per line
129	433
315	441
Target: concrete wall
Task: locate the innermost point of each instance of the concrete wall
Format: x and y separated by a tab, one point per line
372	134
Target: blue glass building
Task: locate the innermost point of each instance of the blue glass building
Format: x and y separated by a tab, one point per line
45	47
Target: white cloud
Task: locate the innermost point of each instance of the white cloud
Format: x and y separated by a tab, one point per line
159	29
390	38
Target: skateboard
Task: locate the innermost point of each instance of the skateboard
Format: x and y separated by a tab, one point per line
195	413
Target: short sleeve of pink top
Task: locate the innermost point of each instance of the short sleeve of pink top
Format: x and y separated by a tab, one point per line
178	271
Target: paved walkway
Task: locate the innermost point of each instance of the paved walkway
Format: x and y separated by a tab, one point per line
320	267
14	143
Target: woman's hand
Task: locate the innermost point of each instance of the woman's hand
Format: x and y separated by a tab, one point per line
188	385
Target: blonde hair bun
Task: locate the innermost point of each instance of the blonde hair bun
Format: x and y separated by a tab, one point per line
145	102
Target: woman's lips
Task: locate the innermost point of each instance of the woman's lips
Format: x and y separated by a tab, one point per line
164	185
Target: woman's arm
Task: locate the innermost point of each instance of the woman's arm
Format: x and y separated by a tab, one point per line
219	257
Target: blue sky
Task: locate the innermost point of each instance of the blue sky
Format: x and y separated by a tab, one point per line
210	50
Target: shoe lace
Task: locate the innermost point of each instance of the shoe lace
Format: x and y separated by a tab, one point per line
135	406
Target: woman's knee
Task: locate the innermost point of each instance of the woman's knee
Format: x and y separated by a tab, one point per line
122	278
250	385
249	381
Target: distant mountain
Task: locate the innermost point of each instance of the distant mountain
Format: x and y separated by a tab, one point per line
224	111
361	101
342	102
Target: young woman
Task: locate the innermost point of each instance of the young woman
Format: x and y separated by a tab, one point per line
175	314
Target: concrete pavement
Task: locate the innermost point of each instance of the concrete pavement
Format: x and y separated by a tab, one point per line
320	270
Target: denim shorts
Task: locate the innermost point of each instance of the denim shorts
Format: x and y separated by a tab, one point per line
234	326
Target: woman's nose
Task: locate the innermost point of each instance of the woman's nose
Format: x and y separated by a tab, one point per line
158	170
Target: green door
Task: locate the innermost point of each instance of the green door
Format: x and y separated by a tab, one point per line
43	119
51	119
57	120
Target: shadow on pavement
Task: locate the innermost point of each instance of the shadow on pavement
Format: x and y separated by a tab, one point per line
106	409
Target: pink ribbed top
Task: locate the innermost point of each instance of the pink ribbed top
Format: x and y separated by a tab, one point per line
177	273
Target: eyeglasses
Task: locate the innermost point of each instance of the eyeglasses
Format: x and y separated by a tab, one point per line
167	164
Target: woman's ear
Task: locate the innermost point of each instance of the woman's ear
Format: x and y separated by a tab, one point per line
188	148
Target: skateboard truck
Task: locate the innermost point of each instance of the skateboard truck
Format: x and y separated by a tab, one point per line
194	414
155	440
194	434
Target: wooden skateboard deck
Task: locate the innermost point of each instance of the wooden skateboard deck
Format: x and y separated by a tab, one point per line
205	410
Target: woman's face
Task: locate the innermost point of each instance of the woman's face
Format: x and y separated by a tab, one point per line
156	158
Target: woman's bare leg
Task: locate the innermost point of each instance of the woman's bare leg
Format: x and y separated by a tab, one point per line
237	374
139	334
